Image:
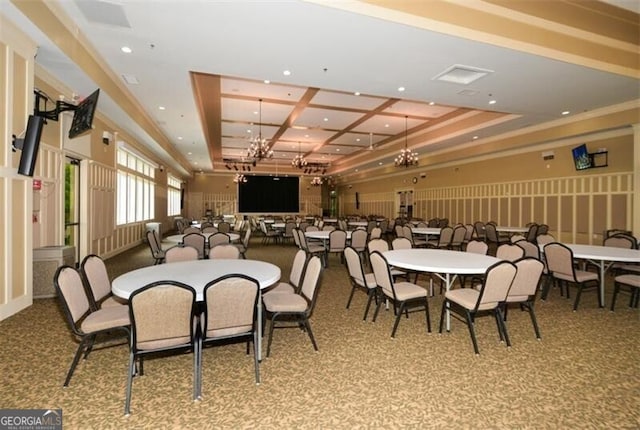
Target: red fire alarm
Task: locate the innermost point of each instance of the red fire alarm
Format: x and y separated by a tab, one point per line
37	185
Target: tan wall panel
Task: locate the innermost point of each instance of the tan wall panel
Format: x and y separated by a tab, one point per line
582	211
566	211
5	250
4	77
20	87
20	221
619	215
552	211
599	214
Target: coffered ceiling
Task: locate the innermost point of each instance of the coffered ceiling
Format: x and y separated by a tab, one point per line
349	83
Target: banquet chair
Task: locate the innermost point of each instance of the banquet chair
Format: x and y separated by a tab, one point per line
478	226
492	237
209	229
311	248
401	243
632	282
229	314
359	242
468	303
542	229
457	240
510	252
295	308
376	233
288	231
180	253
543	239
444	239
532	233
269	234
517	238
359	279
405	296
524	287
156	251
191	229
86	324
226	251
337	243
162	319
295	276
563	272
224	227
475	247
382	245
94	272
244	243
219	239
195	240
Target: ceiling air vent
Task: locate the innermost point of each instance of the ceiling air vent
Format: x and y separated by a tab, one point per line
102	12
459	74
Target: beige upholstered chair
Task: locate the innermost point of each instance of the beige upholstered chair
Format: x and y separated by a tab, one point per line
224	227
311	248
477	247
524	287
156	251
180	253
195	240
243	246
517	238
470	302
401	243
561	268
444	240
376	233
543	239
405	296
337	242
226	251
295	276
632	282
95	274
219	239
359	279
85	323
532	233
478	226
295	308
162	319
229	314
510	252
190	229
209	229
457	240
359	241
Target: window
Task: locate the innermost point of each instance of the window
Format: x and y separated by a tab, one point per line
173	196
136	188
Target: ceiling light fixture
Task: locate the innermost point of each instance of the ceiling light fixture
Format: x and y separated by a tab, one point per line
316	181
239	178
259	147
299	162
407	157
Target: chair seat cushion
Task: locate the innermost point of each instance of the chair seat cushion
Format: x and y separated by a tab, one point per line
282	287
104	319
631	280
284	302
229	331
465	297
581	276
315	248
112	301
407	291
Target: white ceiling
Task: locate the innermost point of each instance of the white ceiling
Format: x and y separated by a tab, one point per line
333	52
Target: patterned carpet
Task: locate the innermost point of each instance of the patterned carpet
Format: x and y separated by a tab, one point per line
583	374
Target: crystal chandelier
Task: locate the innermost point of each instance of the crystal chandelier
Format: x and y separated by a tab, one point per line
259	147
239	178
299	162
316	181
406	157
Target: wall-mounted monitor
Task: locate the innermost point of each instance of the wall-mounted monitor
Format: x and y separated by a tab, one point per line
269	194
30	145
581	157
83	115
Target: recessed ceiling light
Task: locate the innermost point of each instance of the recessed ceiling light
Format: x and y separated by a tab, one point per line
358	139
475	137
566	112
492	102
195	162
267	81
126	50
306	135
386	125
401	89
380	163
337	149
326	119
161	107
432	103
287	72
357	170
179	137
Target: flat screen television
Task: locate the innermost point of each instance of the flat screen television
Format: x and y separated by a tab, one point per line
83	115
581	157
269	194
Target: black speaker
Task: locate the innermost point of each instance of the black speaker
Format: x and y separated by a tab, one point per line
30	145
357	201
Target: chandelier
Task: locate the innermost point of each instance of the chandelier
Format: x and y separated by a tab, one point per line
299	162
239	178
259	147
406	157
316	181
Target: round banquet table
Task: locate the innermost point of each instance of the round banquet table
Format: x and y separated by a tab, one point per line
177	238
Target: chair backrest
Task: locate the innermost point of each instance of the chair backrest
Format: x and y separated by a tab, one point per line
328	228
162	315
433	222
532	233
446	236
209	229
371	225
72	294
359	239
296	237
459	233
559	259
401	243
205	225
226	251
478	226
218	238
382	274
376	233
95	273
224	227
422	224
288	228
517	238
195	240
337	240
469	232
543	239
303	226
530	249
311	281
297	268
399	230
180	253
491	233
477	247
542	229
525	283
495	287
354	266
246	238
312	228
379	245
620	241
384	224
510	252
407	232
191	229
231	303
153	243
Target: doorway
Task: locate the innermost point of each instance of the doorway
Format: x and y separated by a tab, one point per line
72	205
